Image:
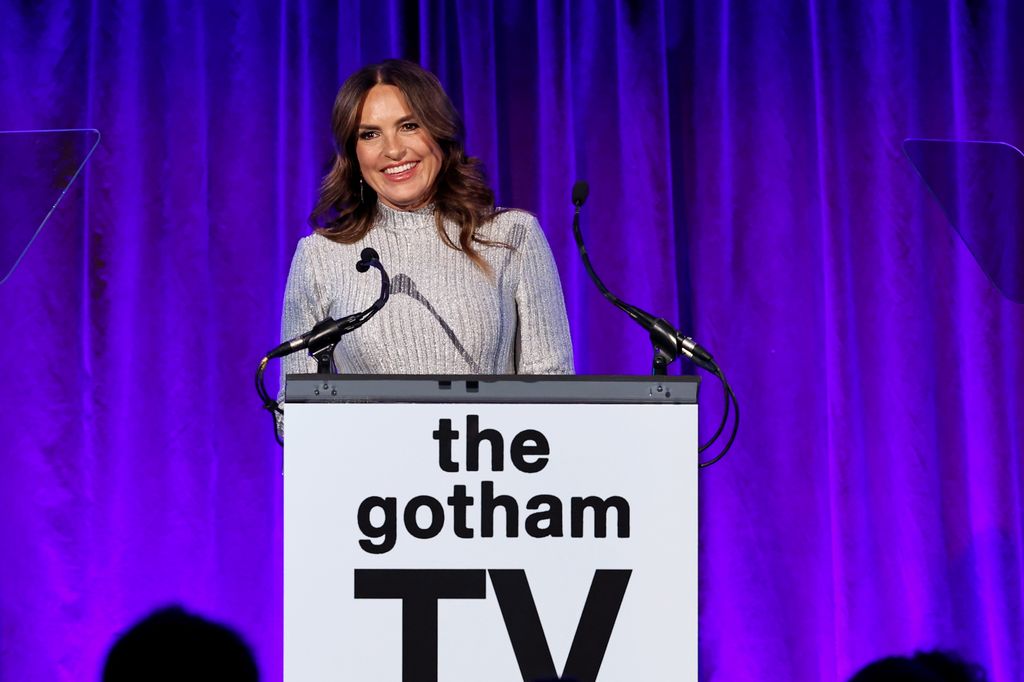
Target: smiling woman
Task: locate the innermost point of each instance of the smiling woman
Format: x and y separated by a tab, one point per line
474	288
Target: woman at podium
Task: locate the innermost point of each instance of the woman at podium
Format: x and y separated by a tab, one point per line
474	288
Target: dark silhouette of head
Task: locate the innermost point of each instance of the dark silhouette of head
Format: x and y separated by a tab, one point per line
172	644
929	666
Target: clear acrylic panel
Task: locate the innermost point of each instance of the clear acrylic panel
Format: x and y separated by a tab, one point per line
36	169
980	187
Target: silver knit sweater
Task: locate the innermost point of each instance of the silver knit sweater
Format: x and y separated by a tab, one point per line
445	315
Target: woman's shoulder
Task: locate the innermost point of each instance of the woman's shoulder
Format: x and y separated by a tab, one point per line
318	251
514	216
512	226
317	242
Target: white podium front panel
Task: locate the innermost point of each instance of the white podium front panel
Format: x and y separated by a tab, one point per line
463	542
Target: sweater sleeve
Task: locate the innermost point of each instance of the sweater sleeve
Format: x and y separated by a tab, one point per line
543	345
304	306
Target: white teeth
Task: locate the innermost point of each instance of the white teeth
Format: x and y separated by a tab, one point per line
399	169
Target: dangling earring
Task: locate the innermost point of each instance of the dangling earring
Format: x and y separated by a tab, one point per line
361	190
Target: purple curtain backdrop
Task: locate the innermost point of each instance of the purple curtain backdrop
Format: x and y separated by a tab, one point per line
747	182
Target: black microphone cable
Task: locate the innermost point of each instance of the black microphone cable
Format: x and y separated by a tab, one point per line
729	397
269	403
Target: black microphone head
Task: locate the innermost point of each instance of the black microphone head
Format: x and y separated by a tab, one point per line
365	257
580	191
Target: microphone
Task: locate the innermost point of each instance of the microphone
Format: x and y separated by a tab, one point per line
663	333
366	258
666	338
668	342
328	331
325	335
326	328
580	192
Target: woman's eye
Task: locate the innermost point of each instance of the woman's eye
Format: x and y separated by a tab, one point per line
367	134
410	126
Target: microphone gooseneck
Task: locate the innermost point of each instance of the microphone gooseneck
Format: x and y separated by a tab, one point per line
329	330
668	342
324	336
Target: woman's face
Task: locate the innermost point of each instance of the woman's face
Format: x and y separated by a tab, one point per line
397	157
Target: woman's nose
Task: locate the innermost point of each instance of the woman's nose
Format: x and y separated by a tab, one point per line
393	147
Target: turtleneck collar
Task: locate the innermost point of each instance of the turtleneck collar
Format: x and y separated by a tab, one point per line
405	221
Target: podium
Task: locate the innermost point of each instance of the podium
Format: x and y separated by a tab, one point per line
490	528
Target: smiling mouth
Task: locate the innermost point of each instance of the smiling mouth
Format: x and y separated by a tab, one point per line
398	170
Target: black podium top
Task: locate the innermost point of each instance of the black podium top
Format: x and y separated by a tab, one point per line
513	388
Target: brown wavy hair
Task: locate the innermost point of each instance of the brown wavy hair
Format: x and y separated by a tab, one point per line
345	212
